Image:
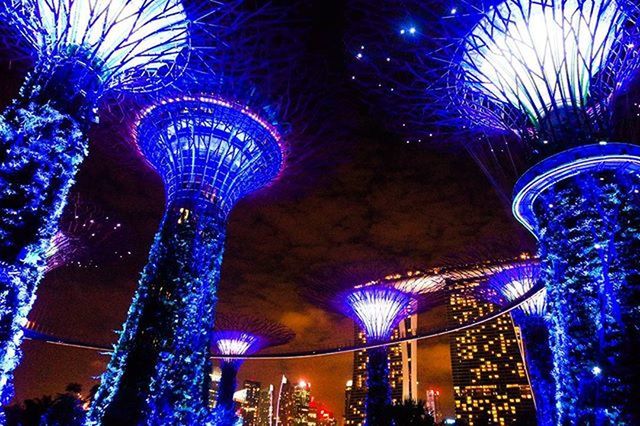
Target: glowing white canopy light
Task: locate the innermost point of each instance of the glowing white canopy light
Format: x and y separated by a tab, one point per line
378	309
235	343
120	36
514	282
537	55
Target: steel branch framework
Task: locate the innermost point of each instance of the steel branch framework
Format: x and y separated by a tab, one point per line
213	140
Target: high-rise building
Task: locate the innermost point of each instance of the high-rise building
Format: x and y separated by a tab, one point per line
403	376
320	415
293	403
489	377
251	402
433	404
265	415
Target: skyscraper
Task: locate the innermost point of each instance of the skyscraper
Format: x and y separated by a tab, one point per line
402	372
265	407
489	378
320	415
433	404
293	403
213	386
251	403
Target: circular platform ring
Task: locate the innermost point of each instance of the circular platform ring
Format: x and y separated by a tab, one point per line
566	164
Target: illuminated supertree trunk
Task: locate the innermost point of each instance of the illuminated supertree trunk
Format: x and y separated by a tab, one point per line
82	49
378	387
228	382
587	226
539	360
210	153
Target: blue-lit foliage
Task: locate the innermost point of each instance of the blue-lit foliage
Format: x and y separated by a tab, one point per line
80	48
511	284
40	151
590	226
209	153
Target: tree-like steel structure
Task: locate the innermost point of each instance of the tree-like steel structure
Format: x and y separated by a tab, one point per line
536	83
238	335
213	141
81	50
378	303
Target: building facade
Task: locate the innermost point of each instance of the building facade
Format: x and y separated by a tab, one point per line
489	376
403	374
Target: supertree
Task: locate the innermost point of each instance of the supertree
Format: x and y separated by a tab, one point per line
377	305
511	282
239	335
213	141
537	84
81	50
84	229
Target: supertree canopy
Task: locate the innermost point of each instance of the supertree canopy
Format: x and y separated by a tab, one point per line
213	141
378	305
537	83
512	282
80	49
238	335
378	308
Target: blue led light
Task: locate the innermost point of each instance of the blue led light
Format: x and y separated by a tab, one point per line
210	153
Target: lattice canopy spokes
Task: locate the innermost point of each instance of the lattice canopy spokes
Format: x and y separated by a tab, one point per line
236	342
542	56
515	282
131	44
209	149
378	309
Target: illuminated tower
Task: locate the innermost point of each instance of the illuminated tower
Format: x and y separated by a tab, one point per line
536	85
82	49
214	137
512	283
403	365
210	153
432	403
237	336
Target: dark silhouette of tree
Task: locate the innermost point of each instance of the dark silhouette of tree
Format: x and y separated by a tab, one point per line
29	413
409	413
66	409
